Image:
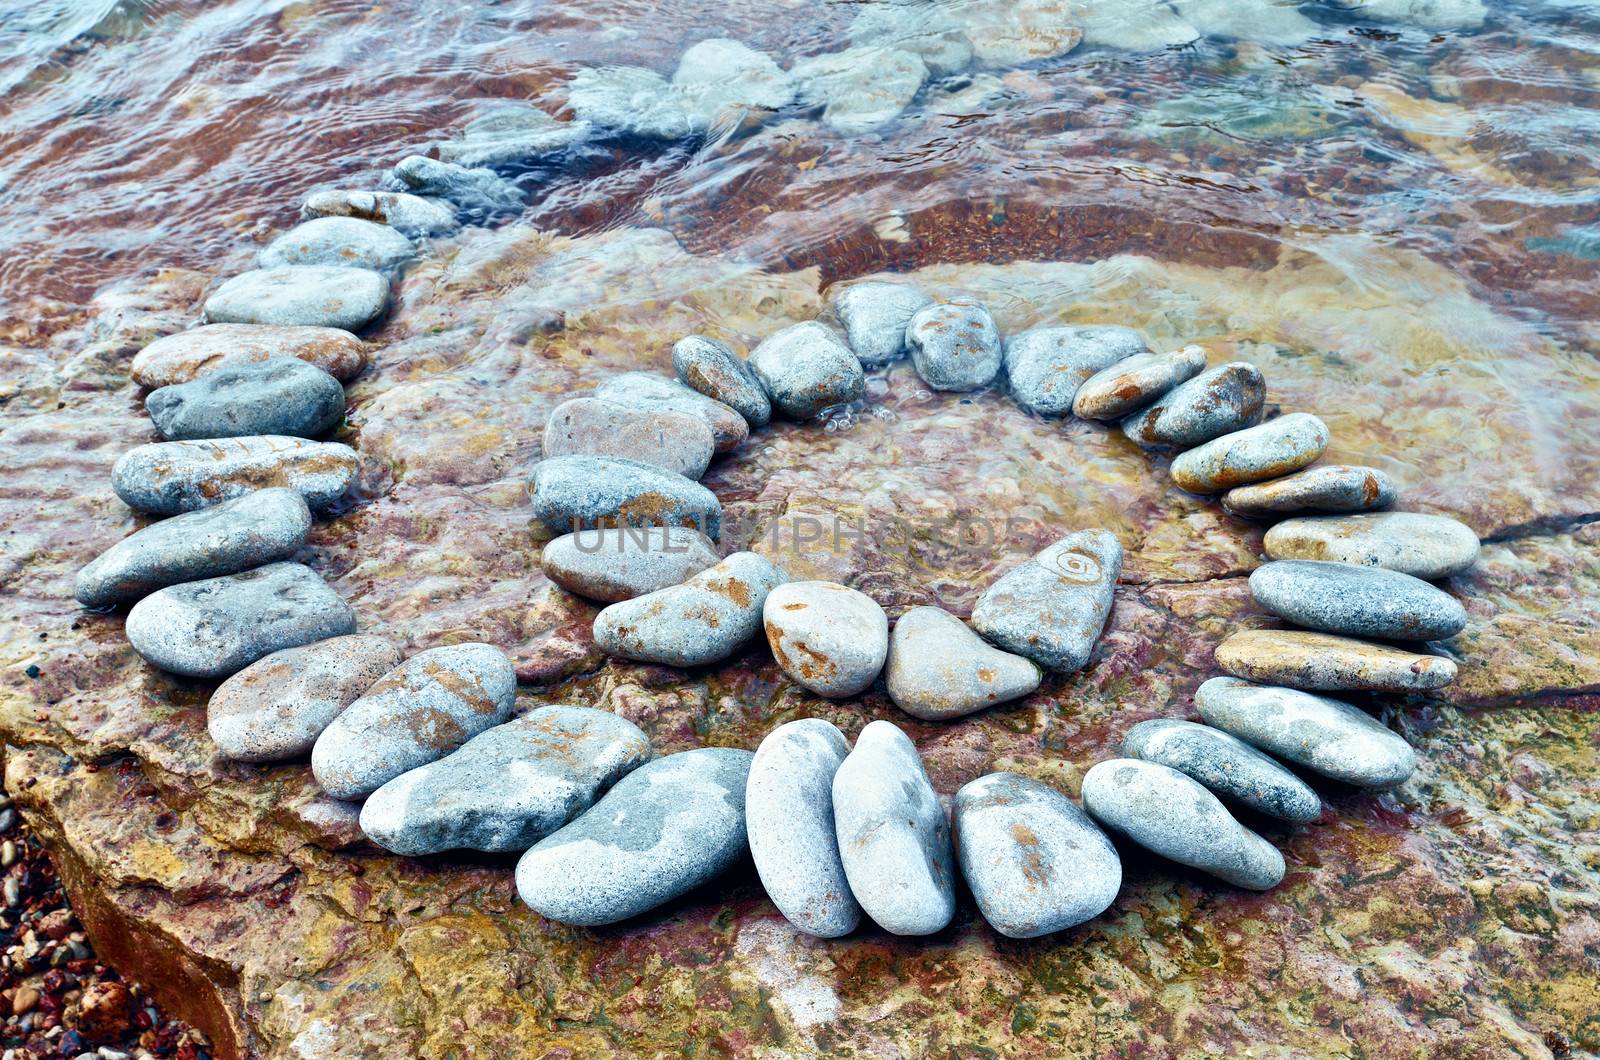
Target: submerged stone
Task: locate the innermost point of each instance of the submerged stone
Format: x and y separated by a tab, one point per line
412	214
827	637
940	669
1224	764
701	621
347	241
721	78
507	131
1052	608
1047	365
1360	601
806	368
712	368
1423	546
284	395
875	315
1329	488
193	353
168	478
645	390
331	296
676	441
623	562
1277	447
954	345
1130	384
480	191
859	89
1218	401
1322	662
630	100
1006	33
573	493
931	33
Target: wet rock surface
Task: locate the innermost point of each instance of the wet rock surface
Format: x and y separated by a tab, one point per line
572	493
1130	384
713	369
479	192
642	390
326	296
939	668
1047	365
1277	447
1424	546
1322	662
828	637
701	621
954	345
859	89
1327	488
1052	608
506	132
1359	601
806	368
397	209
1226	765
191	354
346	241
284	395
624	562
169	478
1218	401
678	442
875	317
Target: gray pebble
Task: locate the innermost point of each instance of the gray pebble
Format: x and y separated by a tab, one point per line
347	241
407	213
954	345
1053	607
476	191
859	89
1226	765
191	354
1218	401
509	131
573	493
679	442
894	839
664	829
932	34
630	100
721	80
508	787
1047	365
624	562
875	316
1131	384
1423	546
788	805
218	626
713	369
1361	601
167	478
1162	810
275	708
1329	488
701	621
284	395
417	713
1277	447
827	637
1036	863
1326	735
940	669
257	528
1323	662
805	368
330	296
644	390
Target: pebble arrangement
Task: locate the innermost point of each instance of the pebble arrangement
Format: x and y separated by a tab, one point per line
606	831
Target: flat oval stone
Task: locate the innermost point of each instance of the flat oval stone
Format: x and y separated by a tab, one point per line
788	806
275	708
1218	401
218	626
875	316
712	368
642	390
167	478
1361	601
417	713
347	241
805	369
191	354
257	528
828	637
701	621
1330	488
1322	662
1131	384
894	839
590	427
284	395
1053	607
1326	735
1274	448
482	193
1162	810
1226	765
624	562
1036	863
662	831
1047	365
1423	546
954	345
329	296
397	209
572	493
508	787
940	669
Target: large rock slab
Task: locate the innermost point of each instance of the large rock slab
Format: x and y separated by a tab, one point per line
701	621
828	637
191	354
346	241
284	395
169	478
1053	607
1359	601
1224	764
572	493
939	669
1423	546
624	562
325	296
1322	662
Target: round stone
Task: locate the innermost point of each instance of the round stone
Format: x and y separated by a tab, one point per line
1321	662
954	345
1277	447
1218	401
1329	488
1360	601
347	241
407	213
859	89
713	369
480	193
829	638
1423	546
572	493
191	354
679	442
1047	365
1226	765
940	669
874	316
168	478
1053	607
702	621
1131	384
719	79
624	562
642	390
284	395
805	369
330	296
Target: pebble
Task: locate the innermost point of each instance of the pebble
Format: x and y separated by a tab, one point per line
663	830
1423	546
1360	601
478	191
248	531
510	131
1052	608
508	787
701	621
859	89
932	34
1007	33
1326	735
643	390
677	441
1277	447
1036	863
894	838
940	669
1218	401
954	345
1047	365
719	78
624	562
168	478
218	626
331	296
788	805
827	637
1162	810
1330	488
412	214
875	316
805	368
417	713
573	493
1226	765
712	368
1128	385
275	708
191	354
284	395
1322	662
347	241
